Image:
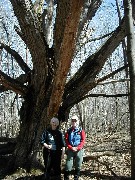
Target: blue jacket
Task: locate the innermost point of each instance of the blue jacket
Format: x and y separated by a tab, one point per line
74	136
54	138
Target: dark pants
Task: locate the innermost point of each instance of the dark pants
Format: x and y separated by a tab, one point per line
52	160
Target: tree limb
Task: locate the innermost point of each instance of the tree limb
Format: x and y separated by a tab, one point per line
12	84
30	29
114	81
23	78
104	95
84	80
17	57
111	74
3	88
107	166
65	53
89	10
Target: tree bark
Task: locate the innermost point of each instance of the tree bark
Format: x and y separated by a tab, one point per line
7	148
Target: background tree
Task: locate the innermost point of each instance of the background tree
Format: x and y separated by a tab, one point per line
43	87
131	60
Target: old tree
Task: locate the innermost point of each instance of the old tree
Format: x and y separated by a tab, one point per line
44	88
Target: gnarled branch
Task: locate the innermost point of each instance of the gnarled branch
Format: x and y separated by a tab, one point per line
17	57
12	84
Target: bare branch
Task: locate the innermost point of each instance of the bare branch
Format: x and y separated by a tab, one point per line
3	88
114	81
85	79
38	6
12	84
89	10
30	29
107	166
111	74
23	78
17	57
105	95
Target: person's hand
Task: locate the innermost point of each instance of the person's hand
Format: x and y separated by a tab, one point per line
74	149
49	146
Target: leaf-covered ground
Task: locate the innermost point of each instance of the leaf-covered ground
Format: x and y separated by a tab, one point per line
107	156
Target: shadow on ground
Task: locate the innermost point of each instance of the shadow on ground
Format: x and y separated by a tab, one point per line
85	174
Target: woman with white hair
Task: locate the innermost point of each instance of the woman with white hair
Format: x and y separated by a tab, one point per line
54	146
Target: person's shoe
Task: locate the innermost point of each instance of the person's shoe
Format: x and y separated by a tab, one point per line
76	174
56	177
76	177
66	175
46	176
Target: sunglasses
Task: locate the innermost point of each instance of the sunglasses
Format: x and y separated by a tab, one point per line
74	120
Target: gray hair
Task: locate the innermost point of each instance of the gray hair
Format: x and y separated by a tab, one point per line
54	119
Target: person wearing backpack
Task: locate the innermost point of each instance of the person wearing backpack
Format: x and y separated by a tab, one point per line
75	139
53	149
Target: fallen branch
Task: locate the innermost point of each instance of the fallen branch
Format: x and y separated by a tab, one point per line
107	166
87	158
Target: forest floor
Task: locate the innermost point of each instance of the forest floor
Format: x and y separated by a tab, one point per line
107	156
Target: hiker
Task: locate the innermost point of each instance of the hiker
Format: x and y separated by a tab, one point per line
75	139
53	149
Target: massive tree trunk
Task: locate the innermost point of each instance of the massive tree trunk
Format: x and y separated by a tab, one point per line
34	118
